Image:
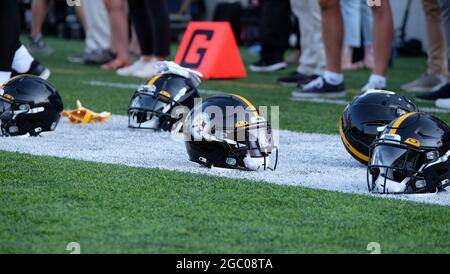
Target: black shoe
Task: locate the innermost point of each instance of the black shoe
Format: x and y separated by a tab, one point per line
296	79
320	88
100	57
37	45
79	58
36	69
268	65
442	93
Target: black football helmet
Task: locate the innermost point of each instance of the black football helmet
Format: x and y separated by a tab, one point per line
152	104
410	156
28	105
366	114
227	131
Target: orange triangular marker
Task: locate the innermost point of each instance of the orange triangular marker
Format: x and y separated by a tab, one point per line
211	48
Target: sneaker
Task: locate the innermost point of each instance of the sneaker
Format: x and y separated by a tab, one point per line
442	93
36	69
320	88
443	103
147	70
267	66
79	58
37	45
296	79
426	82
99	57
372	85
129	71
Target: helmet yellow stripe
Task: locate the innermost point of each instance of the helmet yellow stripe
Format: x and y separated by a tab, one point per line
350	147
250	105
153	80
399	121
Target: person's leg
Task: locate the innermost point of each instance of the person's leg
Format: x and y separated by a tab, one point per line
312	59
435	76
367	30
39	9
143	25
118	22
142	22
351	12
274	31
331	84
161	27
9	31
14	57
81	17
442	95
382	45
157	16
98	36
382	37
333	33
437	47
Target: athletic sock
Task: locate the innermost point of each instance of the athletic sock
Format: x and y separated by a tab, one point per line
22	60
333	78
377	80
4	77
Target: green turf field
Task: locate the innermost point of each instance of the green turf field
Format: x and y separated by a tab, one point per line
46	202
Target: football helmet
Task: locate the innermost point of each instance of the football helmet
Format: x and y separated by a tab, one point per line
28	105
227	131
412	155
152	104
361	119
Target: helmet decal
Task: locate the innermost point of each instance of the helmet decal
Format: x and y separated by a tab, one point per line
412	141
154	79
249	104
399	121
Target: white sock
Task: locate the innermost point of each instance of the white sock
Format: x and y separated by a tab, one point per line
377	80
22	60
4	77
333	78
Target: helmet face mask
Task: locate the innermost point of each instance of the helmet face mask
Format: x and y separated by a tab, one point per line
152	104
396	168
257	151
411	156
148	111
241	140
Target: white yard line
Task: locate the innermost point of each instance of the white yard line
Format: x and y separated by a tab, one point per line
309	160
131	87
344	103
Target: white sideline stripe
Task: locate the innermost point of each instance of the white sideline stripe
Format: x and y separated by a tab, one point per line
309	160
344	103
132	87
212	92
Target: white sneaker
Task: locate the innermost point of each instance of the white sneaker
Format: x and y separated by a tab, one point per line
128	71
372	85
443	103
147	70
